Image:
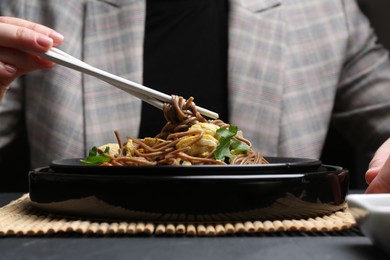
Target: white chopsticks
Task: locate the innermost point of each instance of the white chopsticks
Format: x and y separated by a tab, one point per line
150	96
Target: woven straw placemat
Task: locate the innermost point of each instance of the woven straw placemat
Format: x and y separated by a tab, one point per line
20	218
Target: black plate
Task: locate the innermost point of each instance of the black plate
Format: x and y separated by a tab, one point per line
277	165
182	197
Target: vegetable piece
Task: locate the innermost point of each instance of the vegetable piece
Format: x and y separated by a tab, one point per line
238	147
227	144
96	158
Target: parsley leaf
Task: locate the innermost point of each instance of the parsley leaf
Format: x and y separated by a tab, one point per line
239	147
96	158
228	144
227	132
223	149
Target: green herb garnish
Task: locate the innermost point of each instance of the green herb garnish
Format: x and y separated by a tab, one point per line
227	144
96	158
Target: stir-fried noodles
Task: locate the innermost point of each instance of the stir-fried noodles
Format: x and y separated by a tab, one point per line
186	139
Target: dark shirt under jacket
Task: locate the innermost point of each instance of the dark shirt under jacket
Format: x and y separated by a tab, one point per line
185	53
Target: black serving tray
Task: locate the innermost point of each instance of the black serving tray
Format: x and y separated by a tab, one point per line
185	194
276	165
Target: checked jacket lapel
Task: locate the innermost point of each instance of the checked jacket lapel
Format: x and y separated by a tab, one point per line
117	51
255	70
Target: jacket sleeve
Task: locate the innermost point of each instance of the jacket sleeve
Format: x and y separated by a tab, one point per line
362	106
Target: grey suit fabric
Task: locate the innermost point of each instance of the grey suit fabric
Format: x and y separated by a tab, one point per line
295	67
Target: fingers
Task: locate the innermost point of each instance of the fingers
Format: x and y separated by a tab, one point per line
6	71
14	63
16	36
378	173
381	182
370	175
24	38
9	73
27	35
21	61
378	161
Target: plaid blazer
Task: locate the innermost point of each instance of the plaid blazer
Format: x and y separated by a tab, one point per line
295	67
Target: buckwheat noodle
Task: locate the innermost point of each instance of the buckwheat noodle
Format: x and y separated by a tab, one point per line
166	148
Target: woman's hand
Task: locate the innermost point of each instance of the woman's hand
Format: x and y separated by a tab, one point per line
16	35
378	173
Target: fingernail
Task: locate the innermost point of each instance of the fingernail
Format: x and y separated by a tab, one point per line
376	163
56	36
45	41
10	69
42	62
